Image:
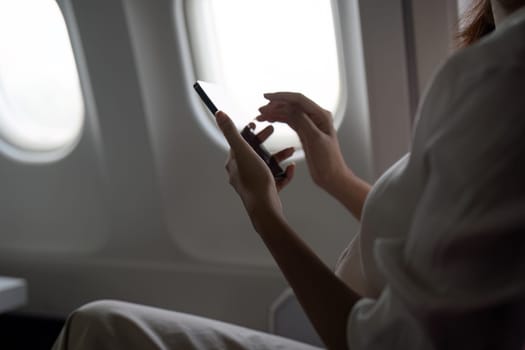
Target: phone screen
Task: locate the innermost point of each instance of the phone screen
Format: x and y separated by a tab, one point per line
246	133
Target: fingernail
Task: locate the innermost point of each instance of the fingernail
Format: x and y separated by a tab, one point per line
220	116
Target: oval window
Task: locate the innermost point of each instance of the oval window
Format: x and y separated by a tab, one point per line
257	46
41	104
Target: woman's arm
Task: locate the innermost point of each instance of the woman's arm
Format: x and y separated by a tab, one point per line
314	126
351	191
325	298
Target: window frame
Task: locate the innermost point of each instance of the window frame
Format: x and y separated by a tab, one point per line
192	21
20	154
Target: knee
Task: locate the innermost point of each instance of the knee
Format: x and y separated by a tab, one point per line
93	325
100	310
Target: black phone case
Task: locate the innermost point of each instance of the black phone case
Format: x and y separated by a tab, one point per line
253	141
249	136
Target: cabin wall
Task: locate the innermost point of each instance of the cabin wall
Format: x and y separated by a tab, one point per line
141	209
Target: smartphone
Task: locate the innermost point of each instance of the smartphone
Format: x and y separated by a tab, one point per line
248	135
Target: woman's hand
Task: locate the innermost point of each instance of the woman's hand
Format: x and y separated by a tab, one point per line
314	126
249	175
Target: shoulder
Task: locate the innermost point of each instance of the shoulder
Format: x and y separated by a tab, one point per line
502	50
489	65
485	80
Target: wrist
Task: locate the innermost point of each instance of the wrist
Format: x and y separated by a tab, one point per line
264	213
351	191
342	179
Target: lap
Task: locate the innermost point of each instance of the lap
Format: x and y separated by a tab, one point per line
120	325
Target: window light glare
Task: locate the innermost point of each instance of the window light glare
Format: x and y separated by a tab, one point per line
41	105
272	45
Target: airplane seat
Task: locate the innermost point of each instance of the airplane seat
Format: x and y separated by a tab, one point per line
287	319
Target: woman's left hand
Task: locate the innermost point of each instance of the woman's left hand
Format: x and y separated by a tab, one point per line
249	175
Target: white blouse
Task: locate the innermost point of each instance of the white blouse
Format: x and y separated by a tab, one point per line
442	239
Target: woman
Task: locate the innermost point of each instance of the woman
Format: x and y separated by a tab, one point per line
440	259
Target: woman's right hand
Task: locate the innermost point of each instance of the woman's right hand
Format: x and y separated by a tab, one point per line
314	126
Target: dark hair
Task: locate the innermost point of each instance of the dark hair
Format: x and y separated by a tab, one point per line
477	22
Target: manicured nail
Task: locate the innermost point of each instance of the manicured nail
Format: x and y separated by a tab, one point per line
220	116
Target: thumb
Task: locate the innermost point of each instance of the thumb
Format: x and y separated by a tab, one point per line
228	128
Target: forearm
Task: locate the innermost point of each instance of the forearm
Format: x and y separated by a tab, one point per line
325	298
351	191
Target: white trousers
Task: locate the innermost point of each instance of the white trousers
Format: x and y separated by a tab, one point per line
103	325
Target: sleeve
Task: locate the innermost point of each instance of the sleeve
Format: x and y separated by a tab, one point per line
457	280
349	267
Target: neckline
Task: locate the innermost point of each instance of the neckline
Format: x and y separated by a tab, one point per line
512	19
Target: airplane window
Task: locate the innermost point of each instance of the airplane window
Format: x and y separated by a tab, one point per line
41	105
257	46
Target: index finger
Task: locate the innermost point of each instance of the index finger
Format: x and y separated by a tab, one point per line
321	117
307	105
229	130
